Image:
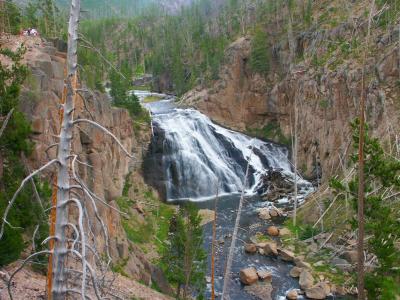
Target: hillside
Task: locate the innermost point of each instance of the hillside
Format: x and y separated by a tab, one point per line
249	149
40	96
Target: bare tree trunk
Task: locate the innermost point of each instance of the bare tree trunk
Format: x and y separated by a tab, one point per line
295	161
227	275
58	286
361	163
213	247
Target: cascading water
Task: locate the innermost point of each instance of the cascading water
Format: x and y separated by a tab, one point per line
191	155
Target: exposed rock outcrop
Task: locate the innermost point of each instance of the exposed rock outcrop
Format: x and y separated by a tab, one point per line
326	95
108	165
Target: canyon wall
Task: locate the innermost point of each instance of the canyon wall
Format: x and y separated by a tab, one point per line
104	166
323	88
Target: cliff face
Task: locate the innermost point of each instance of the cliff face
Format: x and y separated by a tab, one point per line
104	167
324	88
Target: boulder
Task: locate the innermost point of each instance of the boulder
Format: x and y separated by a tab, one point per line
351	256
275	212
264	275
319	291
341	264
250	248
292	295
295	272
306	279
270	248
286	255
248	276
261	290
273	231
264	214
284	231
301	263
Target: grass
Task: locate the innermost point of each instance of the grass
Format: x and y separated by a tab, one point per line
260	238
153	228
119	267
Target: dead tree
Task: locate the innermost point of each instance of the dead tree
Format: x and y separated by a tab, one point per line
361	159
71	239
229	260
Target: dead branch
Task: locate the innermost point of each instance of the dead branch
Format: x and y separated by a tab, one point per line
3	127
105	130
11	202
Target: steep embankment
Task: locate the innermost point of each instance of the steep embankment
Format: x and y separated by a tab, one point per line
105	168
324	87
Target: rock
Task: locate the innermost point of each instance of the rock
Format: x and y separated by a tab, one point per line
264	275
292	295
250	248
302	264
338	290
273	212
46	67
207	216
37	126
286	255
248	276
319	263
221	241
341	264
276	212
4	276
295	272
351	256
306	279
261	251
264	214
270	248
273	231
261	290
319	291
284	231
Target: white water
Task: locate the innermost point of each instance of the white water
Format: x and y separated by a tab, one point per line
199	155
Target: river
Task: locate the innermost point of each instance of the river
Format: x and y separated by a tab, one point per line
190	157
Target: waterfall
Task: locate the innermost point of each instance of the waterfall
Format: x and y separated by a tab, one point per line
189	155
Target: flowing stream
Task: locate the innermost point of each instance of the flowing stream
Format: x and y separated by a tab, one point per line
190	157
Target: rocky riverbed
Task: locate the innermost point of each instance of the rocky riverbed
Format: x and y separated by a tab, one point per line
267	263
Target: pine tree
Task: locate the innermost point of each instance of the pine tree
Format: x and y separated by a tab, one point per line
184	260
382	216
259	57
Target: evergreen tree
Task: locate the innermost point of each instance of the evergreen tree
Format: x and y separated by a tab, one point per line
184	260
121	95
10	16
382	215
259	57
14	143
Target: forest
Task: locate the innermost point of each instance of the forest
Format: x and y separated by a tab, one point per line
200	149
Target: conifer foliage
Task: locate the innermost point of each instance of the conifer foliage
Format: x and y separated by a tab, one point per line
382	214
184	259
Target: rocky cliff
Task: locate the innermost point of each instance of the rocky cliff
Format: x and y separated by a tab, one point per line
105	168
323	88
